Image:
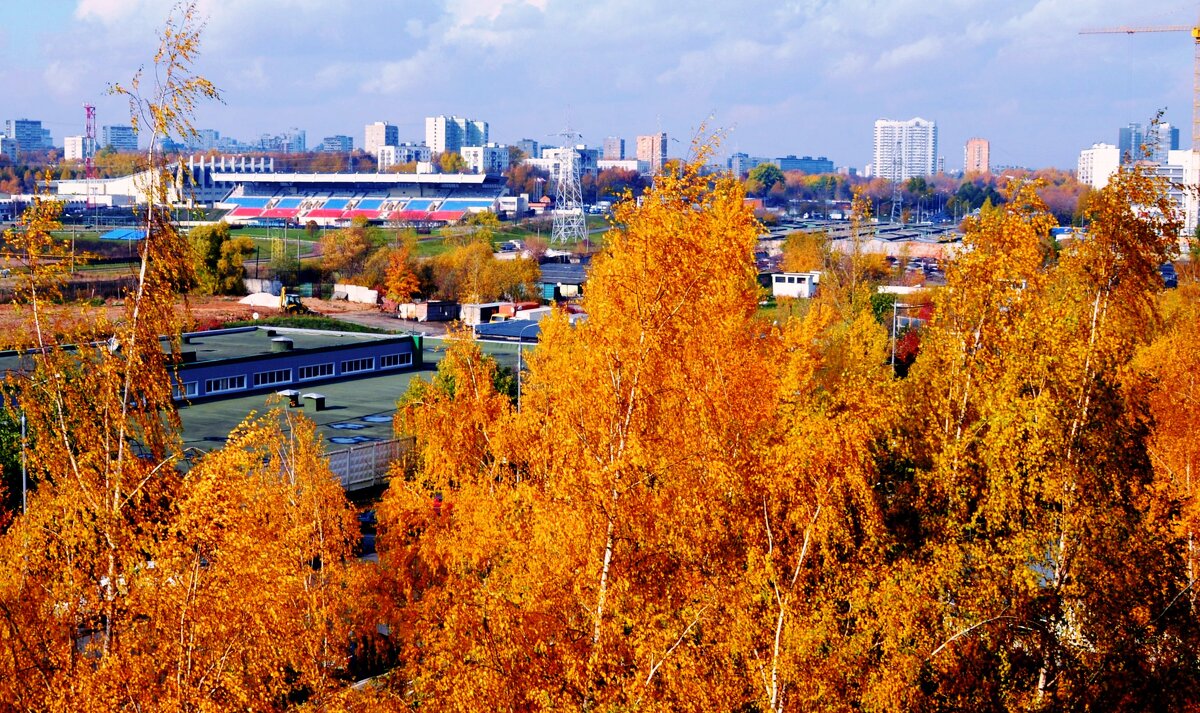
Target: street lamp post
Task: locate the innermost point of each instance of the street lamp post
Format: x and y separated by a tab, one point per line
520	351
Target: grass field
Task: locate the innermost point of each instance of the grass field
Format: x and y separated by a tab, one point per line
309	322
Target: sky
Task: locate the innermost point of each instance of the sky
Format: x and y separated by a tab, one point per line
777	77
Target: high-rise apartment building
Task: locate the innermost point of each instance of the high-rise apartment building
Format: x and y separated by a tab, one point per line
652	148
394	155
295	140
904	149
740	163
977	156
120	138
614	148
291	141
491	159
1151	143
8	147
451	133
1168	140
380	134
530	148
204	140
78	148
29	134
1098	164
1131	142
338	143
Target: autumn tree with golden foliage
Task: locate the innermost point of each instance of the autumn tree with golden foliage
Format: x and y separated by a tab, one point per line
592	550
131	582
695	510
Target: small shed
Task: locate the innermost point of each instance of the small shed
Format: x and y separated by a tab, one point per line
801	285
562	280
436	311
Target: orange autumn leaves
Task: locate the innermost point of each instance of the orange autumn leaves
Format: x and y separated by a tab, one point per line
694	509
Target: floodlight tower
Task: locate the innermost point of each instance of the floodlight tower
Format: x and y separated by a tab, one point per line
569	225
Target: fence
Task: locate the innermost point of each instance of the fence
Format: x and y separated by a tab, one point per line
85	289
366	465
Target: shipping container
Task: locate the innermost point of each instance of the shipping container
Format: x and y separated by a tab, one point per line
480	313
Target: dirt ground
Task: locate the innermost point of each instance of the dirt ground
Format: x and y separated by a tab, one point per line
206	312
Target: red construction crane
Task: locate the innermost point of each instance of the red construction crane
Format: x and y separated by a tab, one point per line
1195	32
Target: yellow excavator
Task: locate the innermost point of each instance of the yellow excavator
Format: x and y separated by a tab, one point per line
289	303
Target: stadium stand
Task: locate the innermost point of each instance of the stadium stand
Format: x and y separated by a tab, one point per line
336	199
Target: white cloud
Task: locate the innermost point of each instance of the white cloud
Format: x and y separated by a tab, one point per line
804	76
63	77
399	76
905	56
108	12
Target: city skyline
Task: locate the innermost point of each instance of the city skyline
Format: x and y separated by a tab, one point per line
782	78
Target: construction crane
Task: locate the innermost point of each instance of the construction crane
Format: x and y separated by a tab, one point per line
1195	32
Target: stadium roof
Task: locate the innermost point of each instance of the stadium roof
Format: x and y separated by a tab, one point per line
467	179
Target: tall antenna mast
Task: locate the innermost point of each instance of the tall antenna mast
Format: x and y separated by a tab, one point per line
569	225
89	148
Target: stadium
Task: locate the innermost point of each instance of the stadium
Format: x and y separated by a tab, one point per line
249	192
334	199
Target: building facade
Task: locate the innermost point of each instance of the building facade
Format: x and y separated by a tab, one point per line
614	148
652	148
1182	171
380	134
805	164
1147	143
629	164
243	360
338	143
451	133
530	148
588	161
78	148
29	135
121	138
396	155
291	141
905	149
741	163
977	156
1098	164
8	147
492	158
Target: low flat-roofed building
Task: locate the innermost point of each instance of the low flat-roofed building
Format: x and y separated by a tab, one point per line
244	360
226	362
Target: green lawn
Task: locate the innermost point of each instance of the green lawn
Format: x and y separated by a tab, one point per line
308	322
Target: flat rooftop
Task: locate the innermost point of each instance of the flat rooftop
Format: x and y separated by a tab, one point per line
245	342
357	410
354	178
